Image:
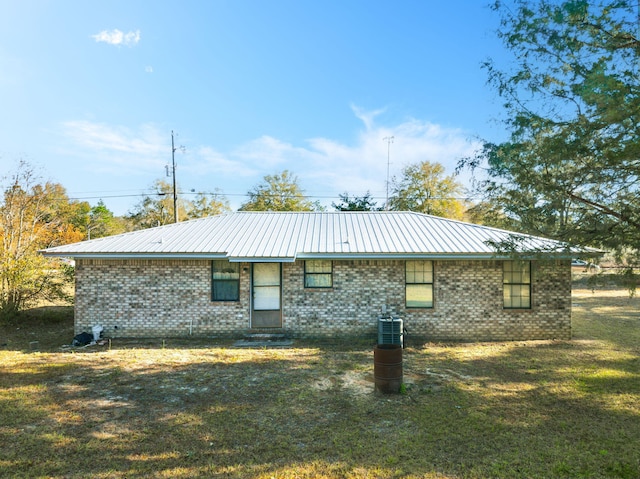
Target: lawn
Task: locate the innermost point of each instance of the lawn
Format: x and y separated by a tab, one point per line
173	409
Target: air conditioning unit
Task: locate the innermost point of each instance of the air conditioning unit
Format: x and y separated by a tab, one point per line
390	331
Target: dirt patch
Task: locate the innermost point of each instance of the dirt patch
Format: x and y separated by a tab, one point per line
362	383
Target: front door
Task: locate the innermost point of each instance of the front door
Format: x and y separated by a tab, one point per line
266	311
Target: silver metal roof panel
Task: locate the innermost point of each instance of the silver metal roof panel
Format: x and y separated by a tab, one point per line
284	236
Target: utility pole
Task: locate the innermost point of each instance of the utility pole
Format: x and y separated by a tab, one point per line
173	170
389	140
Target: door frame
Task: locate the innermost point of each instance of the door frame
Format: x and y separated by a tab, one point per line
268	318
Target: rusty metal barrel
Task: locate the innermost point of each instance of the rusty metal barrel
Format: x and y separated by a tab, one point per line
387	368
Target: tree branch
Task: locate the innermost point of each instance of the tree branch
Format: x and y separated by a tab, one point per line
604	209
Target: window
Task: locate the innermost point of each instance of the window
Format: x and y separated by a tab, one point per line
517	284
225	281
318	273
419	284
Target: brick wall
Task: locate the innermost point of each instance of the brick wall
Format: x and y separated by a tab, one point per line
468	304
163	298
156	298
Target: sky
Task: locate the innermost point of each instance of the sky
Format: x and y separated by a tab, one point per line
90	93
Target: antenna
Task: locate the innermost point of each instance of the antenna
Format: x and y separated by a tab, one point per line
389	140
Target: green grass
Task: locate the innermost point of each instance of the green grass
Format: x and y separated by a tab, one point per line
538	409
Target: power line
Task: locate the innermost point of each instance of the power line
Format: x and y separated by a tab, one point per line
213	193
99	197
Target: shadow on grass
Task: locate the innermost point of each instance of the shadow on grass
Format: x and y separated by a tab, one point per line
38	329
499	410
490	410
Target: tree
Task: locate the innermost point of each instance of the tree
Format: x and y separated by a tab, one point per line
33	216
208	205
425	188
489	214
570	168
279	192
101	222
156	210
357	203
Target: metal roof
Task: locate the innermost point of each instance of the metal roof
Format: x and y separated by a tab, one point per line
285	236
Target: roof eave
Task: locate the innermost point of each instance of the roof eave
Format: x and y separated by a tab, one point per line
332	256
137	255
232	259
426	255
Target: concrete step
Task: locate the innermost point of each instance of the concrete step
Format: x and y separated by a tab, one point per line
265	336
264	340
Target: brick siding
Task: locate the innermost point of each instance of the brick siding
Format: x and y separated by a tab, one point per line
172	298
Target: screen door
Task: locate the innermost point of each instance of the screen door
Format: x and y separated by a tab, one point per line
266	311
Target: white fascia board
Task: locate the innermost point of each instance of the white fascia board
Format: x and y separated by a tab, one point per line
332	256
430	256
252	259
57	255
392	256
138	255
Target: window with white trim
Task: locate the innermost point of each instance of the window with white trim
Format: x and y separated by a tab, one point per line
225	281
419	284
318	273
516	284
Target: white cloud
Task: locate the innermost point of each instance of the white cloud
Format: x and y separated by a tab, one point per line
367	117
210	161
325	167
116	149
148	69
117	37
272	155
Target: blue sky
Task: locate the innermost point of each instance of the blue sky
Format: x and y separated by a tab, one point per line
90	92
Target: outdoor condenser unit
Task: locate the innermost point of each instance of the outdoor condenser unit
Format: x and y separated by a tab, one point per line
390	331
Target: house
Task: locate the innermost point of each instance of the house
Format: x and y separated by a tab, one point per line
322	274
